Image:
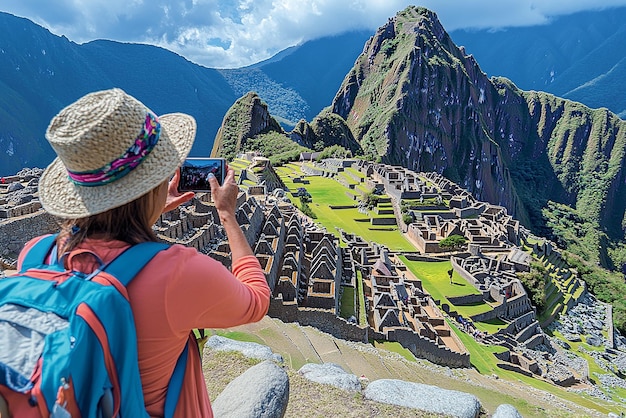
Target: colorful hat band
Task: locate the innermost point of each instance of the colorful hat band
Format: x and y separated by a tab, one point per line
118	168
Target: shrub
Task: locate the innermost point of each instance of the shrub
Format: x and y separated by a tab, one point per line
452	242
534	283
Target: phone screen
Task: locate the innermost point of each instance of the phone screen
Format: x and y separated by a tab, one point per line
194	173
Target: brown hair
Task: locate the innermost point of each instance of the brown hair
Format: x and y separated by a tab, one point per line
130	223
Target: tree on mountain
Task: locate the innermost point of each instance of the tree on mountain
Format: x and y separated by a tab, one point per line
334	151
534	282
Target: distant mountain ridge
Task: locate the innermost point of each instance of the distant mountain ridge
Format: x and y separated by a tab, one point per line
40	73
581	57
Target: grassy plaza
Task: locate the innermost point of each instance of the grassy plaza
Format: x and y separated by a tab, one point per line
327	192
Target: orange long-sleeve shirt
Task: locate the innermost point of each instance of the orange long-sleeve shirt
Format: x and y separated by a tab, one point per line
179	290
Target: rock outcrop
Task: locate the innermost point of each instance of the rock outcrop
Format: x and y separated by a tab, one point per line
247	118
506	411
248	349
261	391
331	374
423	397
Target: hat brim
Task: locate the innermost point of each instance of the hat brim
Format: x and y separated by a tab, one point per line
61	197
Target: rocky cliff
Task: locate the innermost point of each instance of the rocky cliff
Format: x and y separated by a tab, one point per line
415	99
248	126
245	119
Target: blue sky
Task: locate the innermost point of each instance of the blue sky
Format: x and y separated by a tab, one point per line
235	33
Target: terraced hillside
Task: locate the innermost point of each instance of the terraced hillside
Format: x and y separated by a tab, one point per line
415	99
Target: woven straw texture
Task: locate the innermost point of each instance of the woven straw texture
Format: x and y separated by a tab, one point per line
94	131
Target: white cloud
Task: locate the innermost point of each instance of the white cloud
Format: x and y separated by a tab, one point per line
233	33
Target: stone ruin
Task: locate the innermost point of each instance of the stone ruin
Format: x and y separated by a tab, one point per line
491	262
399	309
308	270
18	194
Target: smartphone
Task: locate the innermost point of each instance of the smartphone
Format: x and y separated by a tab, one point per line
194	173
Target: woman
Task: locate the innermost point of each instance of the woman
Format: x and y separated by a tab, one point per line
110	183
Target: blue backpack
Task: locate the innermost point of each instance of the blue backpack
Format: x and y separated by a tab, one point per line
68	345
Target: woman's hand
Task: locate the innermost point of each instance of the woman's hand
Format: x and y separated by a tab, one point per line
174	197
224	197
225	200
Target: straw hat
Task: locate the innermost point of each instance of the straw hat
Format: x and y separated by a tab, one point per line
111	150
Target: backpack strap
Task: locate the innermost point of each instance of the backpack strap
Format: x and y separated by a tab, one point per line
175	385
126	266
36	256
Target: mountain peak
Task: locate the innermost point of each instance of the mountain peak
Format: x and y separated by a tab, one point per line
245	119
415	99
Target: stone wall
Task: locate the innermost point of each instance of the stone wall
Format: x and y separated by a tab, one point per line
528	332
324	320
14	233
609	323
465	300
462	272
498	311
383	221
518	306
311	171
20	210
417	257
423	347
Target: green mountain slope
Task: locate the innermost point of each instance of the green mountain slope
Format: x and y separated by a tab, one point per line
40	73
415	99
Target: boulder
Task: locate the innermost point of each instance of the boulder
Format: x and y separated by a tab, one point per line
248	349
423	397
261	391
15	186
597	324
506	411
330	374
594	340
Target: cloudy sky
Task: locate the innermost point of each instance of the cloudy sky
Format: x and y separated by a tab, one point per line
234	33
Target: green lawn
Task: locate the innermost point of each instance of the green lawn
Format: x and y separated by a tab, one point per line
492	326
435	279
347	302
395	347
348	179
325	192
355	172
434	276
481	356
473	309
